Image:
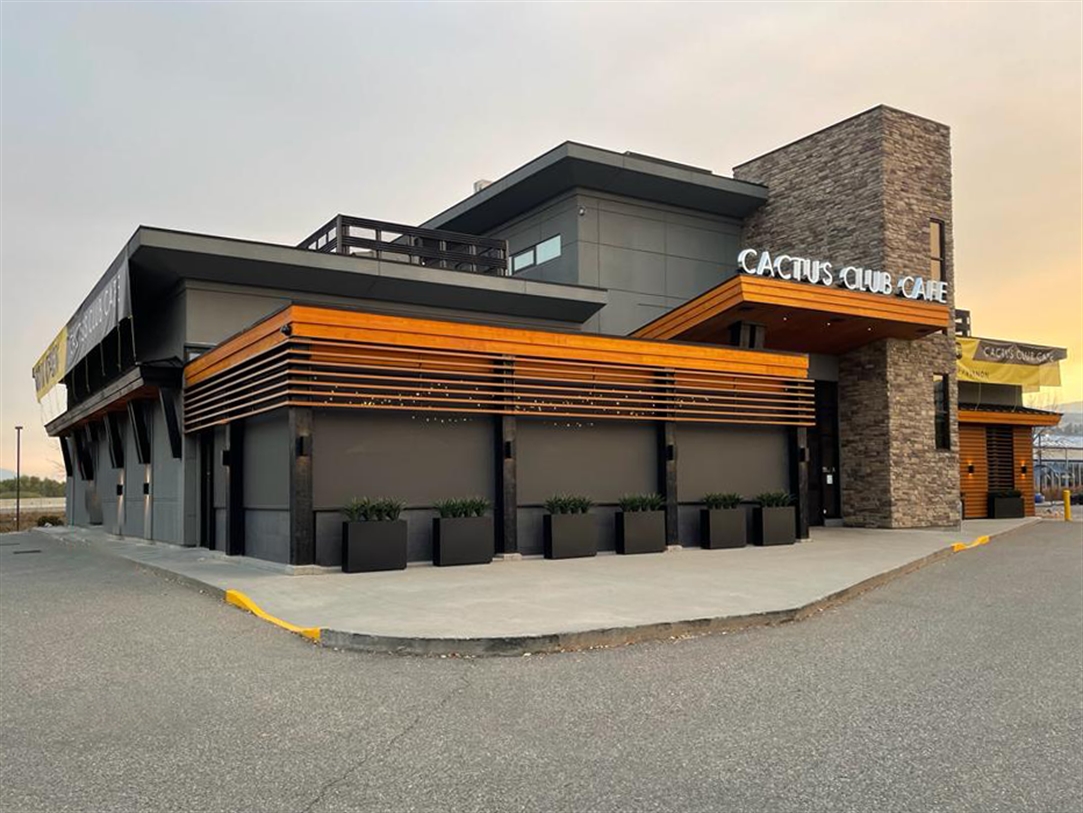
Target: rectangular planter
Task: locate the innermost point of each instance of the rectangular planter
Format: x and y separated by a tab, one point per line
568	536
775	526
1006	508
723	528
641	531
462	541
373	545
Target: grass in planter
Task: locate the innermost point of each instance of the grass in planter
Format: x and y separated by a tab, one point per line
716	502
459	508
641	502
775	499
568	504
369	510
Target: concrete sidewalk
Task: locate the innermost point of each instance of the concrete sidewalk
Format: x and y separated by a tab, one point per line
536	605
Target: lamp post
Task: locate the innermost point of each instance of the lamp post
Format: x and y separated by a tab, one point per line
18	473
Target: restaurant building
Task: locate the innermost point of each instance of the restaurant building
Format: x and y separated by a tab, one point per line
594	323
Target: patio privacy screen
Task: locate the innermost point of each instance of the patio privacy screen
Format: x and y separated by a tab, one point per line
320	357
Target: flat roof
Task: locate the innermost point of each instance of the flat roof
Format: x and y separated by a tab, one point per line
158	258
571	165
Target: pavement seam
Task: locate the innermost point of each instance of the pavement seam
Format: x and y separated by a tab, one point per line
330	785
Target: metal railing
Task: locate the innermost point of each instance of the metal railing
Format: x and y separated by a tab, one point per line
395	242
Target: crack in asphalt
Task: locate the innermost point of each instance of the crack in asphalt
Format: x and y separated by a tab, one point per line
382	749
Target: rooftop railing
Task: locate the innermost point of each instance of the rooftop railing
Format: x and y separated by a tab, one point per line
395	242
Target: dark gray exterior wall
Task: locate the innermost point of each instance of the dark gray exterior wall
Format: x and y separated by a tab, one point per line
971	392
266	486
419	458
649	257
747	460
602	460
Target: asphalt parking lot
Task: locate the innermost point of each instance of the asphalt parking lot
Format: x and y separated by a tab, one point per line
956	688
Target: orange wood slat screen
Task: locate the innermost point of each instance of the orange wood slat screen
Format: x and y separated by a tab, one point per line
1024	457
974	485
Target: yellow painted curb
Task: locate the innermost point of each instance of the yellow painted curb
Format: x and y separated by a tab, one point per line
239	599
958	546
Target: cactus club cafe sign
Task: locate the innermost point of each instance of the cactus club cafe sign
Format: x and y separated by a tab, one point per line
851	277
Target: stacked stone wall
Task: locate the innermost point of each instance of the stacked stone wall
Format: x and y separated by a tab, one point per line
863	192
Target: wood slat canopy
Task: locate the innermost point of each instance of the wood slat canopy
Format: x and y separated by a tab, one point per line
798	316
344	359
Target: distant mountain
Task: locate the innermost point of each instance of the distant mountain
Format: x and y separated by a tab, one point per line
6	474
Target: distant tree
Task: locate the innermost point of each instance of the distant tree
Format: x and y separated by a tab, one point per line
31	486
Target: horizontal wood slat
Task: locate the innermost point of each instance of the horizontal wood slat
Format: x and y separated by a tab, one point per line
1002	418
974	485
377	365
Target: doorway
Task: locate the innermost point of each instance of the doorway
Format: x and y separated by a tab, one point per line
823	444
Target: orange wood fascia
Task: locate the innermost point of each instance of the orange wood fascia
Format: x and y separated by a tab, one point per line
691	313
260	336
398	330
1007	418
766	291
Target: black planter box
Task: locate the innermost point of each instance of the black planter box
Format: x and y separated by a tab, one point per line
723	528
775	526
373	545
641	531
1006	507
568	536
462	541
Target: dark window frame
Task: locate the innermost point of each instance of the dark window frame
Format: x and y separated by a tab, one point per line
942	411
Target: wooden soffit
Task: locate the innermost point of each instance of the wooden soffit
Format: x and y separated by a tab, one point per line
797	316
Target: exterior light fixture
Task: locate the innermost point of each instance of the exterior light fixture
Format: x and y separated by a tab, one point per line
969	468
1023	469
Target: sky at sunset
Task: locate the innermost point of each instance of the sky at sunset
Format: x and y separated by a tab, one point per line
262	121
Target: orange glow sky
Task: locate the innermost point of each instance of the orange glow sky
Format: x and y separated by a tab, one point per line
236	122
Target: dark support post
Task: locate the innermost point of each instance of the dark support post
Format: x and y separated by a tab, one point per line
667	476
114	438
65	450
235	489
172	424
507	493
302	518
799	477
137	417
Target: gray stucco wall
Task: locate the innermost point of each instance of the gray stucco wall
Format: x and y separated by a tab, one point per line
165	488
216	311
419	458
266	486
651	257
137	519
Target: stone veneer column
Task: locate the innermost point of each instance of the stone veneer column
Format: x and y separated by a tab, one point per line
863	192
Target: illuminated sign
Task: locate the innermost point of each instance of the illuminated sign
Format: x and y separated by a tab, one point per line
851	277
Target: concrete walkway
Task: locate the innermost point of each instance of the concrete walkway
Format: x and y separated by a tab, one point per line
536	605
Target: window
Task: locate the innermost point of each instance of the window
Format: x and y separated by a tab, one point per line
936	250
941	403
548	249
536	255
523	259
